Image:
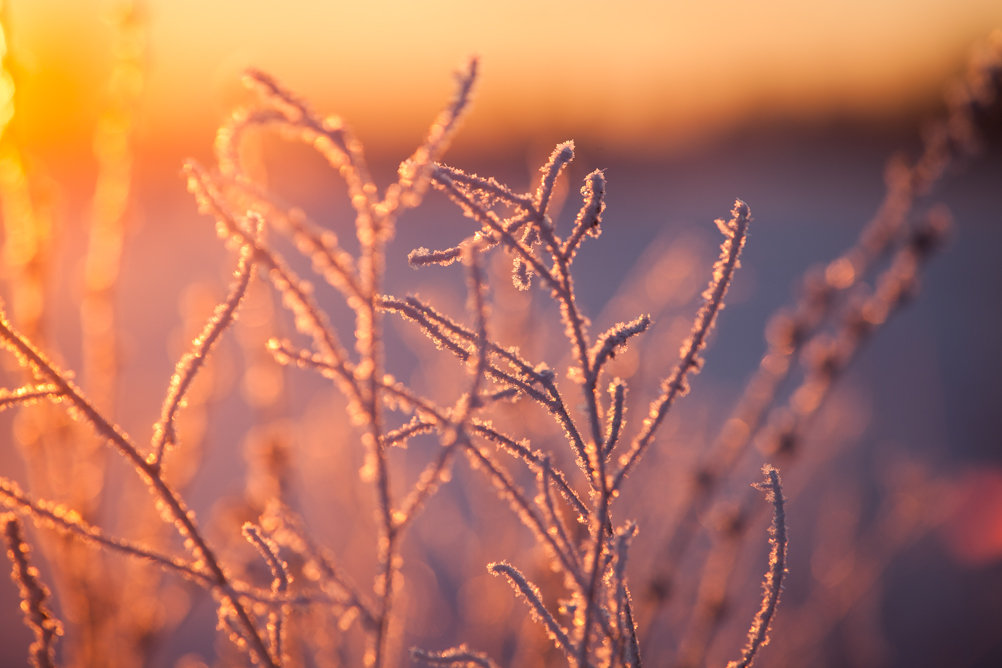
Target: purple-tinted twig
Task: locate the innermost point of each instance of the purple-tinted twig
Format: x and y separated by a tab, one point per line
27	394
676	384
280	580
192	361
415	172
183	520
455	656
34	596
617	392
758	633
531	595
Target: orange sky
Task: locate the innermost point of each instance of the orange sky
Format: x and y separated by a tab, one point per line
634	74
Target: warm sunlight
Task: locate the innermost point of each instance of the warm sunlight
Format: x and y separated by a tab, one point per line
516	334
640	75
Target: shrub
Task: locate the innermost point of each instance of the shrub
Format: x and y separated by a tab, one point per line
549	434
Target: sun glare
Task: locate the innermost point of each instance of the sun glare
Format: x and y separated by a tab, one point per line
636	74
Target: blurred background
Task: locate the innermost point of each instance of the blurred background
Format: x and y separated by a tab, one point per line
793	107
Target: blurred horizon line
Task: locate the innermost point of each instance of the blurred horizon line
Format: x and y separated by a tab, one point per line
645	87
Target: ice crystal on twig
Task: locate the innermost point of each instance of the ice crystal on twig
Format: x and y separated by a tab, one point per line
758	633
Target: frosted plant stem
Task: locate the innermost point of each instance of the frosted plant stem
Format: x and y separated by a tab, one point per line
758	634
370	346
531	595
188	366
676	384
455	656
184	522
518	501
68	522
556	282
45	626
598	529
280	585
26	394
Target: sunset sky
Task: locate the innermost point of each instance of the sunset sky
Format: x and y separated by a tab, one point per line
638	74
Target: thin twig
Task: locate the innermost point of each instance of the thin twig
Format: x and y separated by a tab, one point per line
758	633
